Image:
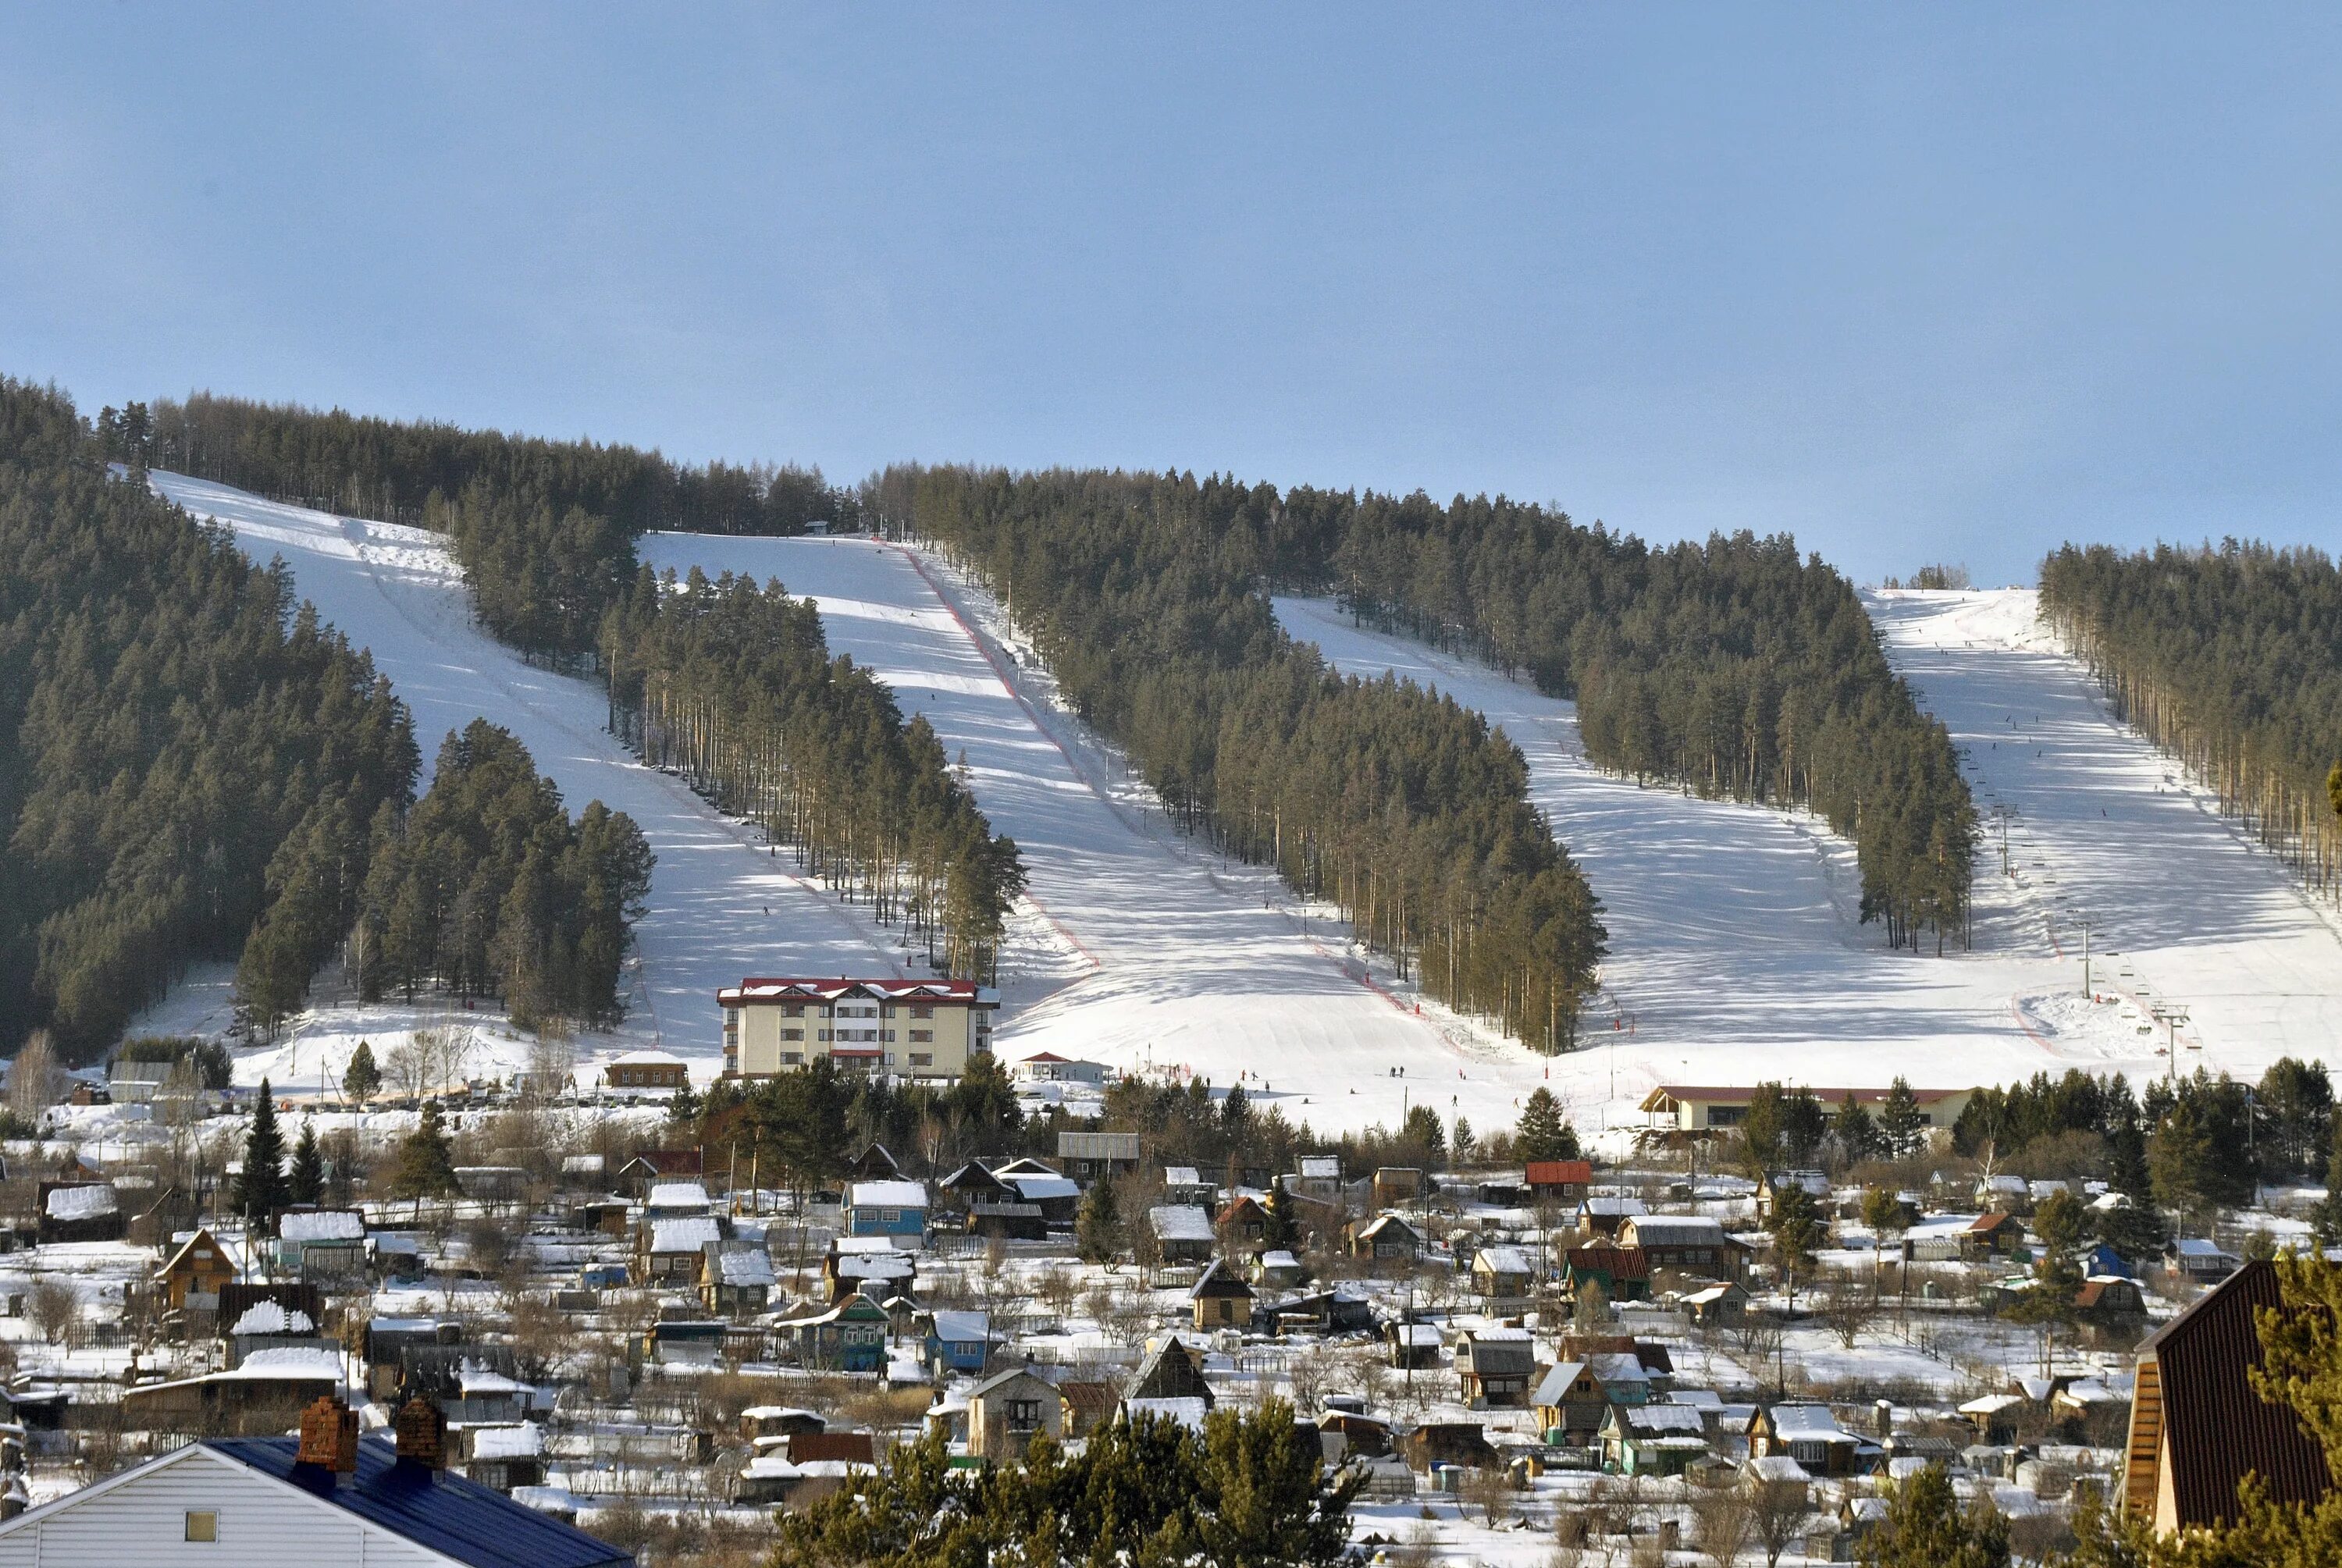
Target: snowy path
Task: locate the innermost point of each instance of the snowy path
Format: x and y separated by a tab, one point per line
2185	910
720	907
1152	955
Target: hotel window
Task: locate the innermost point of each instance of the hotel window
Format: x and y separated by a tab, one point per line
923	1012
794	1009
923	1058
793	1058
731	1018
886	1034
202	1524
920	1035
821	1033
792	1033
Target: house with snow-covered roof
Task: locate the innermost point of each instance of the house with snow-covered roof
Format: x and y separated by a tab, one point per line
80	1212
1494	1366
1653	1439
895	1208
1503	1277
923	1029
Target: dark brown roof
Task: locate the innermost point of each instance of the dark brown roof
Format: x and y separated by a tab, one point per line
1619	1262
2218	1429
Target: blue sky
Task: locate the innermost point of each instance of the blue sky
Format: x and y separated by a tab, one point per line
1947	283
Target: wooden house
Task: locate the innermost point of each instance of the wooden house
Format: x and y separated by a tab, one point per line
191	1279
1494	1366
2197	1426
1220	1298
1569	1405
1386	1238
1008	1410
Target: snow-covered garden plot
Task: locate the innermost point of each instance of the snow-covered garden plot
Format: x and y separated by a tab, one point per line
1144	951
720	906
2185	910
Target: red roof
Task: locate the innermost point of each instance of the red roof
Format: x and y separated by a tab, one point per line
1827	1096
1560	1173
752	991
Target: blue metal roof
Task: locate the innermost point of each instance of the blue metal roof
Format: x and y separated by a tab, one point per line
445	1514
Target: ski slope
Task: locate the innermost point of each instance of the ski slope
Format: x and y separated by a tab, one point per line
720	905
2185	910
1737	952
1146	954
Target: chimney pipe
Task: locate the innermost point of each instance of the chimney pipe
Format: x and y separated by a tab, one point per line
329	1436
422	1434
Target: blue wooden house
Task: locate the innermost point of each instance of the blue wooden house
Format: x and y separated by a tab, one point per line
892	1208
956	1342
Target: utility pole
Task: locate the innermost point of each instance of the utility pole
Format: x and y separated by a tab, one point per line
2085	954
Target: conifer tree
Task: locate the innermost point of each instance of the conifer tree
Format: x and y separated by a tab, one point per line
260	1189
1901	1123
1925	1526
1097	1226
362	1079
306	1183
1856	1133
1796	1223
1278	1233
1541	1133
426	1163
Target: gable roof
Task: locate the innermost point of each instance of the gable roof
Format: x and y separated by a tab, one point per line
2216	1428
460	1520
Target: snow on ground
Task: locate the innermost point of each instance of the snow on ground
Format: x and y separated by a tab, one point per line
720	906
1153	954
1737	952
2186	909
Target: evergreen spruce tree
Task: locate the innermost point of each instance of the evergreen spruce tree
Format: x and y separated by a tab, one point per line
260	1191
2327	1215
1856	1133
1797	1231
1927	1527
362	1079
426	1164
306	1182
1542	1134
1902	1124
2179	1160
1278	1233
1097	1226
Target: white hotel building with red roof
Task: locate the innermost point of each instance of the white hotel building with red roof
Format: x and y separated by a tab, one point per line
911	1028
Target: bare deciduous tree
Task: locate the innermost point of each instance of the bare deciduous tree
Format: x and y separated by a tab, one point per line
54	1306
35	1079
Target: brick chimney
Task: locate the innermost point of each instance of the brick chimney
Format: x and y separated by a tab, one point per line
422	1434
329	1436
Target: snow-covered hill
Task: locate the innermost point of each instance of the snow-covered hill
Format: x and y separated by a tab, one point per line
1148	951
2185	910
720	906
1735	952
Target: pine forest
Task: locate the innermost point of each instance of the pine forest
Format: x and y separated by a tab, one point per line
2230	660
